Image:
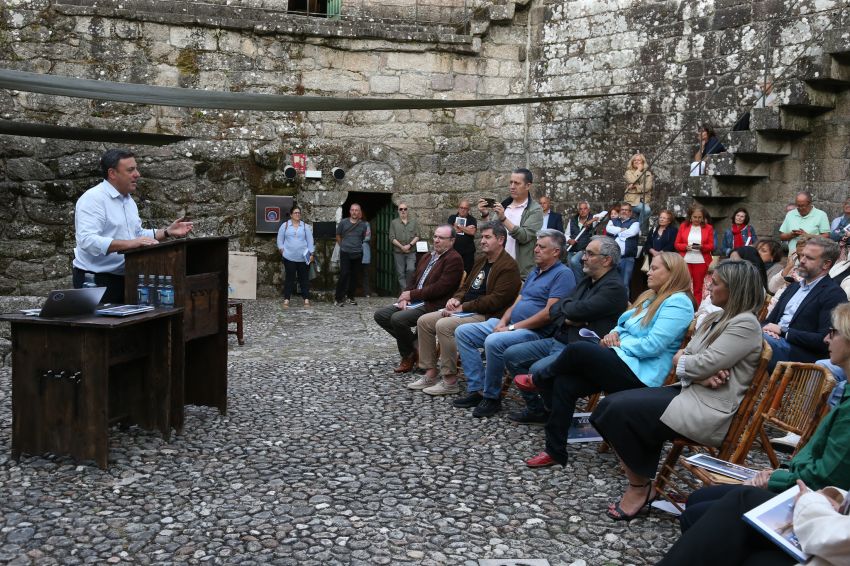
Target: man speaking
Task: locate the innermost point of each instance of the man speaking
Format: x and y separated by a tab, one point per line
106	221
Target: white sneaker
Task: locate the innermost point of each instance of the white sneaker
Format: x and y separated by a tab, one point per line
423	382
790	440
443	388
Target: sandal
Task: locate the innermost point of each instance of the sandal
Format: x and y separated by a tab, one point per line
617	513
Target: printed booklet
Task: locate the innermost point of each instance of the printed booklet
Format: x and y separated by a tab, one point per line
581	430
775	520
721	467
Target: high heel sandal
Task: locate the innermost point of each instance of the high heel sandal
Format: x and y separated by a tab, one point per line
616	513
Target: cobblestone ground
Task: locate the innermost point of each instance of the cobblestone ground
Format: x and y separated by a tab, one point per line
324	458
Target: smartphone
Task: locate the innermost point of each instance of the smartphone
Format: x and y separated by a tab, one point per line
491	202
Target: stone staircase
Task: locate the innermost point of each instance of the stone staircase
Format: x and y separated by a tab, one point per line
810	91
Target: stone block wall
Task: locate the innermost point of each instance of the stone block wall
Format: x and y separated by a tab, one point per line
684	62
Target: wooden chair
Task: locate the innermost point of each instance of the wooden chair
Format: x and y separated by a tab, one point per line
797	404
235	317
763	311
735	446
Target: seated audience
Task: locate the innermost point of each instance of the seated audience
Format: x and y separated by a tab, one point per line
663	237
595	304
625	231
551	219
579	231
437	276
712	525
708	145
527	319
715	370
740	234
771	254
636	353
695	241
489	289
796	327
839	229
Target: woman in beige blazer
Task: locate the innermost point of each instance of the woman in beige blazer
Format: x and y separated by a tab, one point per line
715	370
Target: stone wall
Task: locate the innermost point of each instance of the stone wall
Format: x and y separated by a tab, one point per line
674	54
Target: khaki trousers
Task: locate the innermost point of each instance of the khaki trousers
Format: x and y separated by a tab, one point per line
433	328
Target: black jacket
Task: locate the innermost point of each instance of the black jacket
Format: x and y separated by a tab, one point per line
598	305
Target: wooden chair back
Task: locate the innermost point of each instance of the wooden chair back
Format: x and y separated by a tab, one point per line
764	308
797	403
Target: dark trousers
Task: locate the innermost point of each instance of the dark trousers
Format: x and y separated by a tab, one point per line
399	324
114	285
581	369
349	275
721	536
295	269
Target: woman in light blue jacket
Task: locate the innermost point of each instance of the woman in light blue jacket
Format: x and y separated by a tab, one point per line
295	242
638	352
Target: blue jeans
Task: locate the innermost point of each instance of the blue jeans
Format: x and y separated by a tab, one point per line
642	212
627	267
470	337
574	261
840	378
528	357
781	351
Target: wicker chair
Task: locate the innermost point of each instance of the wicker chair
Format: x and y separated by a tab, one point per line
797	404
735	446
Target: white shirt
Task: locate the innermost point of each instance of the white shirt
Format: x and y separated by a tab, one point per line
514	214
101	215
694	237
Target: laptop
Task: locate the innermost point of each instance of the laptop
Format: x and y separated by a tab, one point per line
70	302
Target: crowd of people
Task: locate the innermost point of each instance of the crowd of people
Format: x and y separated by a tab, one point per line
549	308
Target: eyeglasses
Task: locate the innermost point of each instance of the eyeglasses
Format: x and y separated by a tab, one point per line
402	210
831	333
436	237
295	212
589	253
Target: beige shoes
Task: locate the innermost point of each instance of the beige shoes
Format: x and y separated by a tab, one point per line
443	388
423	382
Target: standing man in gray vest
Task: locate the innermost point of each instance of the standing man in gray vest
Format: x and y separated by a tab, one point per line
404	233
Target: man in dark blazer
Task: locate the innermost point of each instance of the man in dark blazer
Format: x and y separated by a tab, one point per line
596	303
437	277
799	322
551	219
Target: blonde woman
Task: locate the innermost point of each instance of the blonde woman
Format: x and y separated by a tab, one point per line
639	184
637	353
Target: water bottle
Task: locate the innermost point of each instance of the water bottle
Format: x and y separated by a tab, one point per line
167	293
89	281
143	295
157	284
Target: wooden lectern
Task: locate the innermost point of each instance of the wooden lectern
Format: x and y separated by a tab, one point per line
198	268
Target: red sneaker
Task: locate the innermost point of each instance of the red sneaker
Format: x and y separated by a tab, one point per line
542	460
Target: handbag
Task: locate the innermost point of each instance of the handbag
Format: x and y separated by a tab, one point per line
647	259
314	270
335	254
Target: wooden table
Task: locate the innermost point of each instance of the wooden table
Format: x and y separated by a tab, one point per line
74	376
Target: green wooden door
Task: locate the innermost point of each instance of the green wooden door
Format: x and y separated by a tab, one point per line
386	280
334	8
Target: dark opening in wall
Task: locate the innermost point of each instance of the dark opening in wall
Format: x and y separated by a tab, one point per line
309	7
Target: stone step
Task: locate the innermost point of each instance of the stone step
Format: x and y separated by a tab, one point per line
824	72
778	123
754	146
836	42
728	165
801	98
719	187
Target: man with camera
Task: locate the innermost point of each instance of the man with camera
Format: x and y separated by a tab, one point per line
521	215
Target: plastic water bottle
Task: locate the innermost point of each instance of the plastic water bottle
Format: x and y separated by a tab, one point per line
89	281
156	287
167	294
143	295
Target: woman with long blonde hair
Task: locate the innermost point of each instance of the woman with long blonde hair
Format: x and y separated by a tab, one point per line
637	353
639	184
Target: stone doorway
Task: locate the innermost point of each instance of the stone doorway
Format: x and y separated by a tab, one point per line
378	209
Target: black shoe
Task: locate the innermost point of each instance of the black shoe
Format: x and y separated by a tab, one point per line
471	400
526	417
352	302
339	304
487	408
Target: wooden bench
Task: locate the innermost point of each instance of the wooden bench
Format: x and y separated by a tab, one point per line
234	315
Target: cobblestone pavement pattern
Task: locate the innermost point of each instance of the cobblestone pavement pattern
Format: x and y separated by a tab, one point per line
324	458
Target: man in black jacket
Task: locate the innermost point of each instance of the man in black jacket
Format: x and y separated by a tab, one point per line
596	304
798	324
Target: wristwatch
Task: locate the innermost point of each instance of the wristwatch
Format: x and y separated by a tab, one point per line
511	327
